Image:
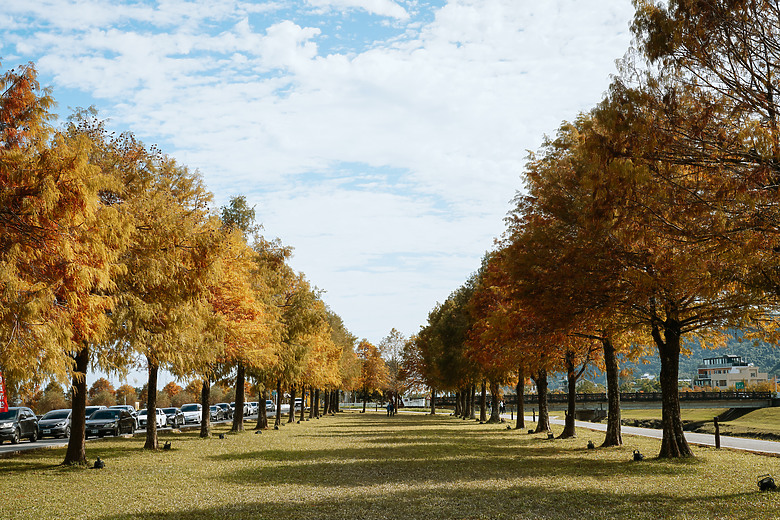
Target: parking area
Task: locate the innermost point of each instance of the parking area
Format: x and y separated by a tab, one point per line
7	449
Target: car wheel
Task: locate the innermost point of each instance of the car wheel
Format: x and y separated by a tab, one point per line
67	432
15	437
34	436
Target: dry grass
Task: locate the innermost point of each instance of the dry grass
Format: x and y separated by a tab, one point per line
368	466
688	414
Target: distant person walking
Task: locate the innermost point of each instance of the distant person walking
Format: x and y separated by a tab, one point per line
390	408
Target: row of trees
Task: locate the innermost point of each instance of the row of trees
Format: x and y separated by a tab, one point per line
111	256
651	219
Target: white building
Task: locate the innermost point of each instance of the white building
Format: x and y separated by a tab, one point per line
728	371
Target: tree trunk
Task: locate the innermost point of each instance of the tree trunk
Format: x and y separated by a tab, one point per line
151	407
457	411
262	414
278	418
543	423
569	429
205	415
291	411
613	436
520	405
303	403
495	413
483	403
316	403
238	414
336	400
433	401
365	399
673	444
76	453
312	397
472	398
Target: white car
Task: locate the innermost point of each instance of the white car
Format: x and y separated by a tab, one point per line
161	418
270	408
193	413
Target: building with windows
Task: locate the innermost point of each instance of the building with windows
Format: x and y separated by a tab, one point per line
728	371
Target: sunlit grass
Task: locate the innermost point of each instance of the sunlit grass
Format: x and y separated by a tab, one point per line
369	466
688	414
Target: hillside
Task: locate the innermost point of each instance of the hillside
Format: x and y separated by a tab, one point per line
763	355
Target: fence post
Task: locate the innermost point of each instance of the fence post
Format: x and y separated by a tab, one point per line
717	434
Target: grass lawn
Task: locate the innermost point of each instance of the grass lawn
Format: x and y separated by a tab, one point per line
688	414
369	466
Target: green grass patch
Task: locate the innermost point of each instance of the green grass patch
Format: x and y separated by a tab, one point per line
688	414
762	419
763	423
369	466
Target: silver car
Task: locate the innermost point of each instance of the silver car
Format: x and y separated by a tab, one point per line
55	423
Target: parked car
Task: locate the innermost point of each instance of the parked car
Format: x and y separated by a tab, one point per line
227	411
160	419
216	413
298	403
92	409
109	421
193	413
270	408
254	407
55	423
17	423
174	417
129	408
247	409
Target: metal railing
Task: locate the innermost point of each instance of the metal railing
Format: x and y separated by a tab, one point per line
625	397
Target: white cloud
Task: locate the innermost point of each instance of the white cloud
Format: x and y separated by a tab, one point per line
378	7
389	169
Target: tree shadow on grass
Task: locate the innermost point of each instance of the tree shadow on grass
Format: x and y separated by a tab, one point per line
419	463
526	502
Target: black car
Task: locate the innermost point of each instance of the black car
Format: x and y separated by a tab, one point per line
174	417
18	422
55	423
110	420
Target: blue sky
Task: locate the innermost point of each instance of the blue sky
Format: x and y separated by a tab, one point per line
382	139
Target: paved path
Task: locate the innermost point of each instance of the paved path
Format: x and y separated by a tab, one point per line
703	439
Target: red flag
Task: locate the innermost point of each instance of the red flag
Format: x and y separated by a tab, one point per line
3	397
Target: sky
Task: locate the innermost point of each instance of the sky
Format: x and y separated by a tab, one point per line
384	140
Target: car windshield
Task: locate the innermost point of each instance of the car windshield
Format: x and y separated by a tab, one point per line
10	414
169	410
189	408
57	414
105	414
142	412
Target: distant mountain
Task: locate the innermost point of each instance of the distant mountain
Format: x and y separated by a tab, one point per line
763	355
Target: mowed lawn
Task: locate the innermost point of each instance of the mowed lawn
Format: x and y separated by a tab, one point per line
369	466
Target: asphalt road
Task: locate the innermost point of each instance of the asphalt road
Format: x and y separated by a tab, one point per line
702	439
